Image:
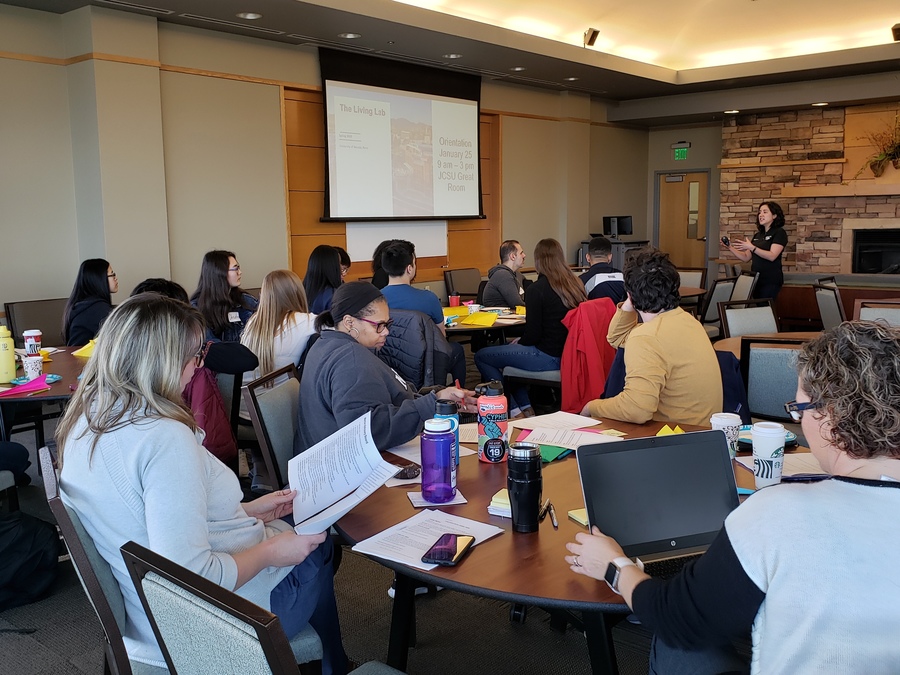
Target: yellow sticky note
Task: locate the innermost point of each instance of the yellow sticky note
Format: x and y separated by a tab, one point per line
677	430
614	432
579	516
480	319
665	431
86	351
454	311
520	310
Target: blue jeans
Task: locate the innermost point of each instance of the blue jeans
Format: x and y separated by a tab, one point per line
666	660
306	596
492	360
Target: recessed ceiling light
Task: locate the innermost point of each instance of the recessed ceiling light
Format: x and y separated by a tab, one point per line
349	36
819	105
570	79
517	69
732	112
250	16
452	56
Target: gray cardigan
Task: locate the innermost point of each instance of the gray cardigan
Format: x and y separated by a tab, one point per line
503	288
342	380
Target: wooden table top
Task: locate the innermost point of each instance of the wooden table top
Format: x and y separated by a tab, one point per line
62	363
733	344
514	567
691	291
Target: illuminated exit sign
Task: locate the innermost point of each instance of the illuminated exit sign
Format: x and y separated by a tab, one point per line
681	153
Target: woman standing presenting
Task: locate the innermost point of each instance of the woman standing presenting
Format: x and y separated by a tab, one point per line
547	301
90	302
132	468
765	250
220	299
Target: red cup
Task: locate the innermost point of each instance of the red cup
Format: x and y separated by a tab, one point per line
454	300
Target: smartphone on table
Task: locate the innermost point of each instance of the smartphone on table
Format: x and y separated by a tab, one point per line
449	549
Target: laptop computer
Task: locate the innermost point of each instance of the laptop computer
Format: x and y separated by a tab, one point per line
661	497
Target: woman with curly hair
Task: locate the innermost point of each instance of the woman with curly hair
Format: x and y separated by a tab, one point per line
805	568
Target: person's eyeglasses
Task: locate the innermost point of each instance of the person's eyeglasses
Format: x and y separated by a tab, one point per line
201	354
795	410
344	270
236	268
380	326
112	276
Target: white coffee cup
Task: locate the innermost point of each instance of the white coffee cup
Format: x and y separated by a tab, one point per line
474	308
34	366
768	453
32	342
731	425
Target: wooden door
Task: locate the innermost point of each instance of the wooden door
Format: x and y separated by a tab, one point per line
682	217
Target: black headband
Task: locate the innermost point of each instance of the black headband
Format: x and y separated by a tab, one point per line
351	297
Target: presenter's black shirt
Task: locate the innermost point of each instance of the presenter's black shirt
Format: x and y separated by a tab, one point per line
769	270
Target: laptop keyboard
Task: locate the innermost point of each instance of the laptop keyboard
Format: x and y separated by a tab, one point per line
668	568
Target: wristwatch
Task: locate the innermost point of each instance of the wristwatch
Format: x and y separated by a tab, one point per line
614	571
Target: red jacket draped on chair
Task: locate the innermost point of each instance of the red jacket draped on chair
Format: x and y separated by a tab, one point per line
587	356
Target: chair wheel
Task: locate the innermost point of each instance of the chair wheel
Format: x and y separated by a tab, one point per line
517	613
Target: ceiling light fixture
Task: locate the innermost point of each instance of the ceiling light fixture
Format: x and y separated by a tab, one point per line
731	112
250	16
517	69
349	36
590	37
819	105
452	56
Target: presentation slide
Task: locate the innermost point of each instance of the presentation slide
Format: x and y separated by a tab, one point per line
398	154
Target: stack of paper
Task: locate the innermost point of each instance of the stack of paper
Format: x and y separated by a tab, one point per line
499	505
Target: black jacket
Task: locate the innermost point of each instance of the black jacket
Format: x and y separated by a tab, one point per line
85	319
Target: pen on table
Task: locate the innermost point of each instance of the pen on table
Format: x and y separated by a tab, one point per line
38	391
543	512
553	519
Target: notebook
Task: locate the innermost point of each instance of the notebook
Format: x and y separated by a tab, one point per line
660	497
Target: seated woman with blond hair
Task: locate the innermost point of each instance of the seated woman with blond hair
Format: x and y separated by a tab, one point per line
133	468
806	569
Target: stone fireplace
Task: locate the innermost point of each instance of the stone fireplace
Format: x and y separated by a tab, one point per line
870	246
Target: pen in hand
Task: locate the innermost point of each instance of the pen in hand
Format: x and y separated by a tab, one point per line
553	519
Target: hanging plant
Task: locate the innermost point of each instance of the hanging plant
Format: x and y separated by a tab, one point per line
887	145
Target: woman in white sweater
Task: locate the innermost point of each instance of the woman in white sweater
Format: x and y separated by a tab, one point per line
133	468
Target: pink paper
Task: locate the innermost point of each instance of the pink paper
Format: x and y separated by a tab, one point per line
28	387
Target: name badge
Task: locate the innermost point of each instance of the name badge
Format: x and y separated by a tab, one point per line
234	317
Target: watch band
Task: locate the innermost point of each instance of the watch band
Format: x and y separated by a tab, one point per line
614	571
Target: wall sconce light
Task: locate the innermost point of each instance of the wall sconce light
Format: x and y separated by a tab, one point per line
591	35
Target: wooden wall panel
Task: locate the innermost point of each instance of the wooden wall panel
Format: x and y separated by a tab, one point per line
306	213
472	248
302	246
304	123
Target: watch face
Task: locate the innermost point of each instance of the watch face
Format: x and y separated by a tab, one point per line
612	575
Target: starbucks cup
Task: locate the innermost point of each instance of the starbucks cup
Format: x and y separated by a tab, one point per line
32	339
34	366
730	424
768	453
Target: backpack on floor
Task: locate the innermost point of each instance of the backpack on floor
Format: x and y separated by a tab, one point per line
29	555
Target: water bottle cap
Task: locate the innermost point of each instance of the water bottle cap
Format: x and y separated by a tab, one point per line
446	407
437	425
492	388
523	450
4	332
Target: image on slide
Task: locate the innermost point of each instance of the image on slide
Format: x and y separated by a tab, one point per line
411	153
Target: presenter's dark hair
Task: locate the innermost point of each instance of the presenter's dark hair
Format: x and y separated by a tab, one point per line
652	280
214	296
323	271
354	298
599	247
776	210
397	257
508	248
91	282
165	287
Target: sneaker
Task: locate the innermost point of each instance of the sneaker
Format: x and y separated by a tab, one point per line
422	589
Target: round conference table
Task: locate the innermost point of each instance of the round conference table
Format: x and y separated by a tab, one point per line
733	344
512	567
63	363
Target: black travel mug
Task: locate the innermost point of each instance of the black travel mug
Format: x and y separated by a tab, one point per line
525	485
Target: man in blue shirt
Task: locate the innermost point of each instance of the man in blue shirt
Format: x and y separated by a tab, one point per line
399	261
602	280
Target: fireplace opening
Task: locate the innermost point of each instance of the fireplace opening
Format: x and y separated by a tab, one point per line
876	251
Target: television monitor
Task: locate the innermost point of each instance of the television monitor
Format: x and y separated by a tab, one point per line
613	226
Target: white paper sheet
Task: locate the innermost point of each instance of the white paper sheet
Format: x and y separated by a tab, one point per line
557	420
567	438
411	450
801	462
408	541
419	502
335	475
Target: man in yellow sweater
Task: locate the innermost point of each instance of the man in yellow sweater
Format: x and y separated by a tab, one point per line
671	370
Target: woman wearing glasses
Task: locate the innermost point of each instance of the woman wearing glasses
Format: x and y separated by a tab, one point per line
220	299
343	378
132	468
805	568
90	302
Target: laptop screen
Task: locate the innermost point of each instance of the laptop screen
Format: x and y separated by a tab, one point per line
659	494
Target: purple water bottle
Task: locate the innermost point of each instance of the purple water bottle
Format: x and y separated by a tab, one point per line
438	475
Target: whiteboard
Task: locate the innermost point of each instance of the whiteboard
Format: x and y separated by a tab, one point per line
429	237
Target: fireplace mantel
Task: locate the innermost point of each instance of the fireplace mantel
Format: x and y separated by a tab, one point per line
856	188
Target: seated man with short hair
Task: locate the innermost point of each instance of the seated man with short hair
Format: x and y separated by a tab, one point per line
671	370
505	284
602	280
399	261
